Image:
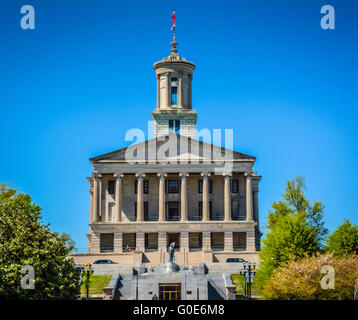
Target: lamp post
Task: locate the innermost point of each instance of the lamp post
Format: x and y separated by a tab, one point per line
249	274
87	270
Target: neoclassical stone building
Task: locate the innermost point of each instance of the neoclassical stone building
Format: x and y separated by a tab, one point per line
174	188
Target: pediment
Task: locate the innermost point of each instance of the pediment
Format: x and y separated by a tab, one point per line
172	148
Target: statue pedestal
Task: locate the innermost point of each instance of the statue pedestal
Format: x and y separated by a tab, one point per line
171	267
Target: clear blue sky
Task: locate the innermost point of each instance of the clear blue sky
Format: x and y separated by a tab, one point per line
71	88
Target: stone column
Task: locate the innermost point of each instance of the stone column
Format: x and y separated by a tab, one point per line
162	240
256	201
184	240
91	207
100	197
206	240
227	197
180	90
119	200
228	241
118	242
250	240
190	102
169	89
183	197
140	201
140	241
95	243
158	91
161	195
249	209
162	245
95	198
206	208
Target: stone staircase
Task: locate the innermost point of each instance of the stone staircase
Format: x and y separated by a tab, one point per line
216	287
124	288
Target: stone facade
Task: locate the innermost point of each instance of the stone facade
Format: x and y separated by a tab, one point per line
173	188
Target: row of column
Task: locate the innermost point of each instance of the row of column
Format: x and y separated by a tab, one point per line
168	89
97	199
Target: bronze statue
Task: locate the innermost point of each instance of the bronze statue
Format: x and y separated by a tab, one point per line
171	251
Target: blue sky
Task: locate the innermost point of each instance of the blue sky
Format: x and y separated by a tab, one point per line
71	88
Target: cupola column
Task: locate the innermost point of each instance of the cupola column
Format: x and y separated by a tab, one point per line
180	89
190	102
168	89
158	91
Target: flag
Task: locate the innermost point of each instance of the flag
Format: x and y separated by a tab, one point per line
173	27
173	17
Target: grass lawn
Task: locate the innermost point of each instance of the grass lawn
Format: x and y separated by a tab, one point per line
97	282
239	281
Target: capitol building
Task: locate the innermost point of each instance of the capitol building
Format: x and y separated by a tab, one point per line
173	188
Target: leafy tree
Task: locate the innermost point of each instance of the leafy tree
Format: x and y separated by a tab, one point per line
344	239
295	227
301	278
25	241
294	201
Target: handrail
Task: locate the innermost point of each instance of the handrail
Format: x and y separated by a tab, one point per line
195	218
241	218
219	290
128	249
217	248
239	248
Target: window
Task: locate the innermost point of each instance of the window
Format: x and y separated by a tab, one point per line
174	95
129	242
235	186
174	126
173	211
173	186
239	241
151	241
145	186
106	242
174	91
111	187
195	240
200	186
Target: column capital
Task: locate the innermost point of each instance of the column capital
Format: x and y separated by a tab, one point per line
118	176
227	175
162	175
96	175
248	174
183	175
205	175
140	175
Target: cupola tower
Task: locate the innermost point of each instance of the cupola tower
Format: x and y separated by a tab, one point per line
174	112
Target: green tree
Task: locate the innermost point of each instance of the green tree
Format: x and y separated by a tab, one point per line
344	239
24	240
295	227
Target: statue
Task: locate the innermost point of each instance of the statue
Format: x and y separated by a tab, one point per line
171	251
171	265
